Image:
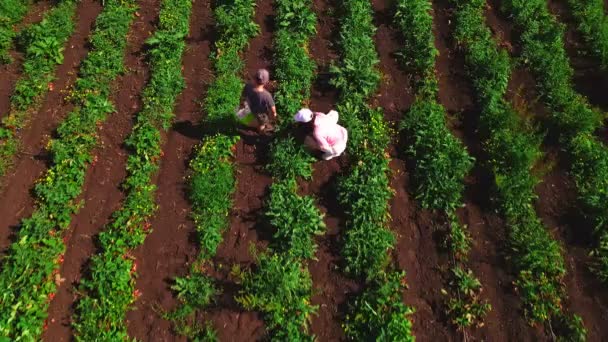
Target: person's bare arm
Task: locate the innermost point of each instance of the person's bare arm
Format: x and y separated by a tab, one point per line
274	111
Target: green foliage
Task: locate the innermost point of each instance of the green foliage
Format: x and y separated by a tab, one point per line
110	291
593	25
466	308
43	44
29	269
11	12
379	314
296	220
212	184
280	288
294	69
575	121
441	161
364	192
414	19
289	160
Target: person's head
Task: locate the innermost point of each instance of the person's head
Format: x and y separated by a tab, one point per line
262	76
304	115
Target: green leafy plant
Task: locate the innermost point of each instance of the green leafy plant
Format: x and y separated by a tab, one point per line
378	314
43	44
572	118
109	293
11	13
466	308
593	25
294	218
32	262
280	288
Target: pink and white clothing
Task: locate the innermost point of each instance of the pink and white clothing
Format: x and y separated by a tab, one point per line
330	136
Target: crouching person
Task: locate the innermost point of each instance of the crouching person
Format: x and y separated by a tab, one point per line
327	136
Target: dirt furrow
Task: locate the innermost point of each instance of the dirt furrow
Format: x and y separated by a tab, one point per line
247	224
170	247
103	194
9	73
15	197
505	322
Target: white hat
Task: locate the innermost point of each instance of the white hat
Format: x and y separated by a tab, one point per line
303	115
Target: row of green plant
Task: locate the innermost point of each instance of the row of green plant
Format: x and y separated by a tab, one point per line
571	117
44	45
31	265
12	12
440	161
109	291
212	174
378	313
512	151
590	16
280	286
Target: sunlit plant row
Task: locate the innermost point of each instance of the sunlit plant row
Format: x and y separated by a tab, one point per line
44	45
30	268
109	292
512	151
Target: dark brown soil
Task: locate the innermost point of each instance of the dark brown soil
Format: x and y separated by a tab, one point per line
15	199
102	193
505	321
169	248
10	73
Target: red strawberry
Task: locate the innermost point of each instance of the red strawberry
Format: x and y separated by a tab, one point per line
51	86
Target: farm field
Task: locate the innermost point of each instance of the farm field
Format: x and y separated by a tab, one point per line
471	202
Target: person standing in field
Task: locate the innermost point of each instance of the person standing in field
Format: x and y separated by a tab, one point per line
327	136
259	101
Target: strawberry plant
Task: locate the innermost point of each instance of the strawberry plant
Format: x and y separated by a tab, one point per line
43	44
441	160
28	269
109	293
